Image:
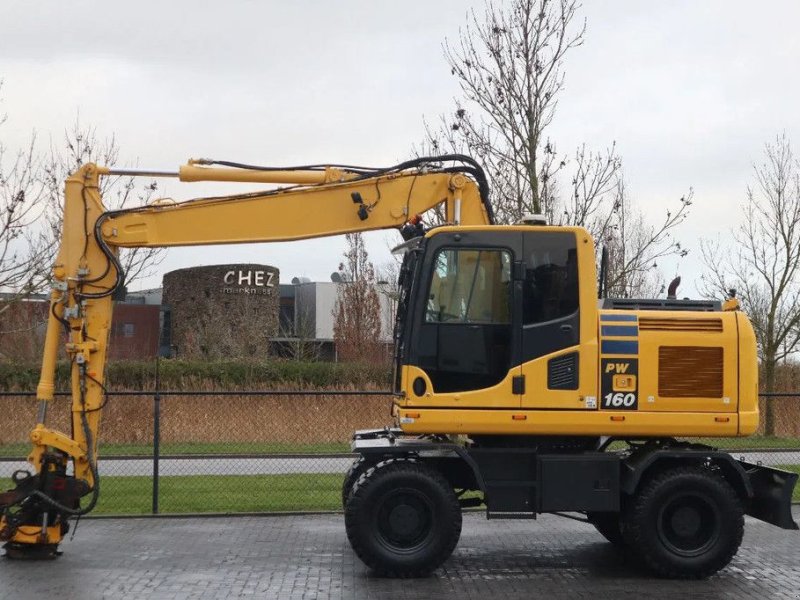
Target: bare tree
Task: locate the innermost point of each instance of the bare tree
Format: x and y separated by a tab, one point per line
31	197
241	330
82	145
595	192
764	265
509	63
389	287
635	246
357	314
23	269
22	330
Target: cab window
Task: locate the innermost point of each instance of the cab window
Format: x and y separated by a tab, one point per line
551	277
470	286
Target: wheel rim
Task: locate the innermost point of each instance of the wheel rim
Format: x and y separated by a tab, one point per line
404	520
689	524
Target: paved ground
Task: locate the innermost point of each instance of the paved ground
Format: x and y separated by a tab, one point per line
308	557
283	465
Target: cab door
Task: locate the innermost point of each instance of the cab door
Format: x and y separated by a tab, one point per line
551	320
467	338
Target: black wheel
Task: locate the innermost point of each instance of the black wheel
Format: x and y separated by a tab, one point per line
607	524
353	473
403	519
685	523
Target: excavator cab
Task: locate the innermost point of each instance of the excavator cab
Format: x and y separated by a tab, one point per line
485	308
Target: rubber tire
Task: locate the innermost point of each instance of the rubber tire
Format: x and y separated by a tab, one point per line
607	525
640	523
376	485
353	473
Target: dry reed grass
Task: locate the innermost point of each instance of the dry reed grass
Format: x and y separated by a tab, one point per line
291	419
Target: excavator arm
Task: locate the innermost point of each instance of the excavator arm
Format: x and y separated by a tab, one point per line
87	275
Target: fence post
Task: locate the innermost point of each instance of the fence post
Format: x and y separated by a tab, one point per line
156	433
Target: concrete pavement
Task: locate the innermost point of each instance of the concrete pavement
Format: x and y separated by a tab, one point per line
308	557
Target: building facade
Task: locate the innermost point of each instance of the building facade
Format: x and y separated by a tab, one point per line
221	304
220	311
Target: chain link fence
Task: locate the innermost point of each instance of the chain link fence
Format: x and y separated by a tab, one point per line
264	450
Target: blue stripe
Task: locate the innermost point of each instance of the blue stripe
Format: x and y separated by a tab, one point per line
618	317
623	330
619	347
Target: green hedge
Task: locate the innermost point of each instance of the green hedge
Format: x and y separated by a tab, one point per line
228	374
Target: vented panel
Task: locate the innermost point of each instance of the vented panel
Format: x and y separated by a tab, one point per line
653	324
661	304
562	372
690	372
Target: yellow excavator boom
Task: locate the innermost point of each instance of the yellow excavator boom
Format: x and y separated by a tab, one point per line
322	201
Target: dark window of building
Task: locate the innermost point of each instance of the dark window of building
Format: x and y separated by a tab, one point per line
165	338
127	330
551	277
286	317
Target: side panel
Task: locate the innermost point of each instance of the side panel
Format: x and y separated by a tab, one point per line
560	355
510	479
689	362
583	482
520	482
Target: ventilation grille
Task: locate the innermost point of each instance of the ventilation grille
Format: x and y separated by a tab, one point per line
690	372
661	304
652	324
562	372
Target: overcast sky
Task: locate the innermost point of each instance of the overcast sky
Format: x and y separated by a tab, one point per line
690	91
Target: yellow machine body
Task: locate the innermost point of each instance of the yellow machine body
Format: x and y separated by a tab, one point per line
640	373
663	410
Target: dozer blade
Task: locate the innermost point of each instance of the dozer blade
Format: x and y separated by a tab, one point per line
772	495
31	551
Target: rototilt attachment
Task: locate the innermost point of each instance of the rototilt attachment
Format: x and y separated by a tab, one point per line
32	522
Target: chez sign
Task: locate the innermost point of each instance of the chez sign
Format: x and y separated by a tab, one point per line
247	282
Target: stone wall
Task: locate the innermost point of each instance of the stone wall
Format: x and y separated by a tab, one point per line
222	310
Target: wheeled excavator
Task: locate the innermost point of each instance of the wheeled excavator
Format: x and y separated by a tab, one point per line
517	386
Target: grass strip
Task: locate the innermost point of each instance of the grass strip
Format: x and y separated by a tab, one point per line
221	493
